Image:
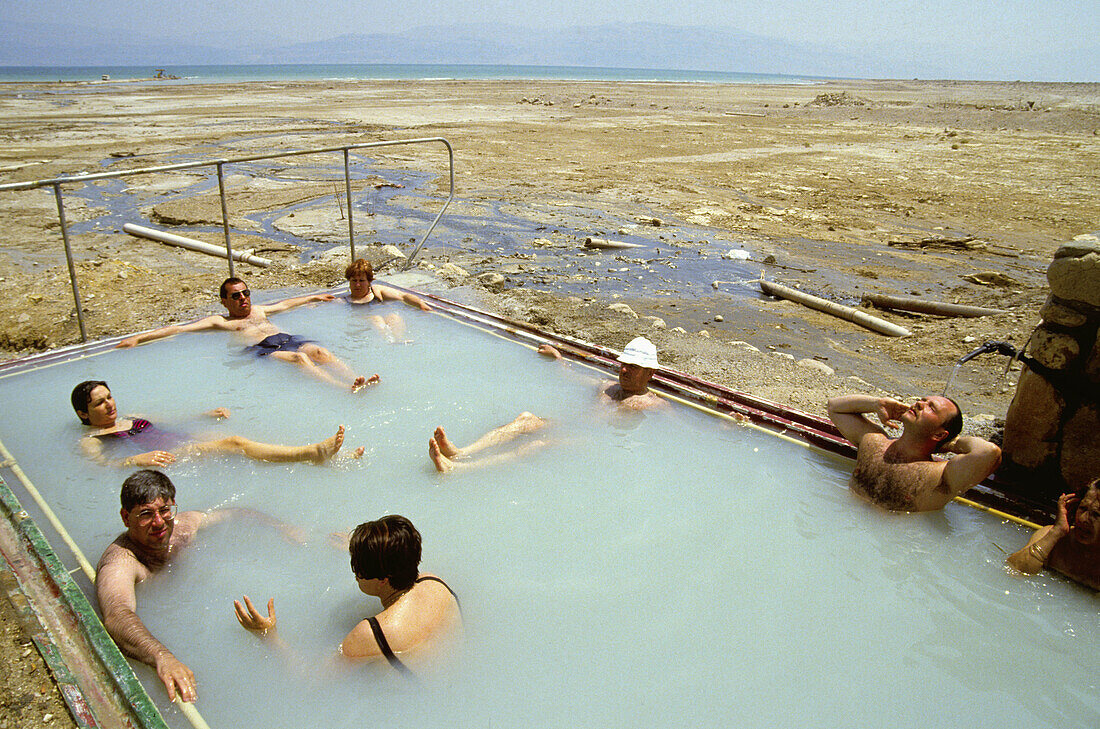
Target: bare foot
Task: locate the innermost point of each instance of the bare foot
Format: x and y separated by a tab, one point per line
329	447
446	447
442	463
358	452
361	382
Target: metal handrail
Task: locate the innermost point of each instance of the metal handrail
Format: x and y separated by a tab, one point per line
219	164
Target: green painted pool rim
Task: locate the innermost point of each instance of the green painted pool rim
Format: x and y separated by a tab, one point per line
125	683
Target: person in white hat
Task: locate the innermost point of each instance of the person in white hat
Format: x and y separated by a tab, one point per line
639	362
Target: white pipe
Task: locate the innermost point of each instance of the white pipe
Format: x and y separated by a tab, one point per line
830	307
605	243
190	243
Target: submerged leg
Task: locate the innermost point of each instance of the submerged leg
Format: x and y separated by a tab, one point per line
524	423
396	327
443	464
307	364
314	453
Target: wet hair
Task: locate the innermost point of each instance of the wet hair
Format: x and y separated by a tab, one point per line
386	548
1082	492
359	265
227	283
145	487
954	426
82	394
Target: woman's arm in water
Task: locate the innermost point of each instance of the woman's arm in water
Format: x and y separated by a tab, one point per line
92	449
1033	556
387	293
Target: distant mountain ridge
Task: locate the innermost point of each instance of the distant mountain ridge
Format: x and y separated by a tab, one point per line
627	45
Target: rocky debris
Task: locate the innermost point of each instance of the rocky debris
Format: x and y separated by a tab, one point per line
452	272
990	278
813	364
623	309
322	224
492	280
842	98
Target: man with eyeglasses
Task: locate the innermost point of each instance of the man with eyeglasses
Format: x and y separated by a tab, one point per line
252	327
155	532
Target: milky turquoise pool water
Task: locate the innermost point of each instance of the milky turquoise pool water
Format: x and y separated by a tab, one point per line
664	570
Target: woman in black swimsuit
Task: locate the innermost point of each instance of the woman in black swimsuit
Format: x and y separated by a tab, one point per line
417	609
362	290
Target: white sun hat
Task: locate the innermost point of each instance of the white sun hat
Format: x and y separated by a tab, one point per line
641	352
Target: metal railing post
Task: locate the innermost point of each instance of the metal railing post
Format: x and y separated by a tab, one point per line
225	220
451	167
220	163
347	196
69	259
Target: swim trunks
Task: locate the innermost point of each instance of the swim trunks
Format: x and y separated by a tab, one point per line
380	637
281	342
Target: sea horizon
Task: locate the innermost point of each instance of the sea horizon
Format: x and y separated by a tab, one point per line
239	73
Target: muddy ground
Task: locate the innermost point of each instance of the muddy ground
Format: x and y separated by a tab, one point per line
951	191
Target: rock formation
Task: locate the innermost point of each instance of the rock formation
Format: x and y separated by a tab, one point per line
1052	429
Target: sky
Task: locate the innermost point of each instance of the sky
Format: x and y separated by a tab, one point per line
958	25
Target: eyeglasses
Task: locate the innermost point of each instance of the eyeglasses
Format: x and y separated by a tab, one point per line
145	516
238	295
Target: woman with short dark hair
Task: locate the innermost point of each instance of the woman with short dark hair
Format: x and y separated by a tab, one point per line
417	608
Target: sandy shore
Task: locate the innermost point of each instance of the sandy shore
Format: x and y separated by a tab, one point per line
897	187
952	191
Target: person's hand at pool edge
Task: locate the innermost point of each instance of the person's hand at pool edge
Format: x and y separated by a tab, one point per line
547	350
176	677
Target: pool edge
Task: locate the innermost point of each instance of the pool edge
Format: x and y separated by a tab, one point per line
81	656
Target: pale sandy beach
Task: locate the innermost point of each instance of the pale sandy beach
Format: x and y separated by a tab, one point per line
839	188
953	191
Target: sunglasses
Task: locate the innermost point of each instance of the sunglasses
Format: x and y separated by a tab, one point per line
238	295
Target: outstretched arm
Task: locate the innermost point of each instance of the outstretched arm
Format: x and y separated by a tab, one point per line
211	322
293	302
976	459
387	293
115	581
849	412
289	532
93	449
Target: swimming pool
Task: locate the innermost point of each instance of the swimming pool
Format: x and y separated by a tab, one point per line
671	569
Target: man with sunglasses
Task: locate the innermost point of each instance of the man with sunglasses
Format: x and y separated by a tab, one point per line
155	532
252	327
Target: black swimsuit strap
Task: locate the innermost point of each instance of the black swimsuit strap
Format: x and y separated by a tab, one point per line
384	646
433	578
